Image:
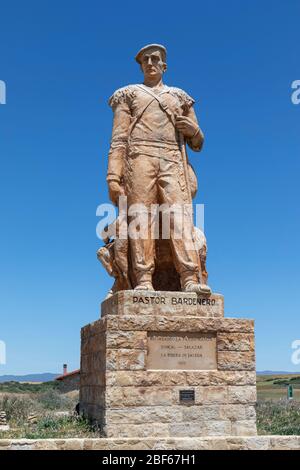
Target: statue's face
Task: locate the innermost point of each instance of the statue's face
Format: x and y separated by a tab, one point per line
152	64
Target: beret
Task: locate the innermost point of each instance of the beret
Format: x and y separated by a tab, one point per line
161	48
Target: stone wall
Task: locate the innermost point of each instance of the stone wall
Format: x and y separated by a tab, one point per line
128	400
199	443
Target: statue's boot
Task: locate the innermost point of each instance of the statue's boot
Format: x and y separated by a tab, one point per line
190	283
145	286
144	282
197	288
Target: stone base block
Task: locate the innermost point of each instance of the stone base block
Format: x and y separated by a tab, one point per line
138	443
132	302
153	369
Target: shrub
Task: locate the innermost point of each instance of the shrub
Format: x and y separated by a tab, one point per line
16	408
282	417
54	400
17	387
57	427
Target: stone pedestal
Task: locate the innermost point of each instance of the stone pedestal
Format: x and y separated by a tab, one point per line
168	364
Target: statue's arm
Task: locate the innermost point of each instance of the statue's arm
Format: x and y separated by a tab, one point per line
195	142
187	123
117	152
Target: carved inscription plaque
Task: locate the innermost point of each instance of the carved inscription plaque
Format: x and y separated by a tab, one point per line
185	351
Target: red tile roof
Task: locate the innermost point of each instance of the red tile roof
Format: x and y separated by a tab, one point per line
63	376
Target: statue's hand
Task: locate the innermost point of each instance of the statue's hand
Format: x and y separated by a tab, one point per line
186	126
115	191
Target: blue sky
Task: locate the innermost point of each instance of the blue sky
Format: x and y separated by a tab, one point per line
61	61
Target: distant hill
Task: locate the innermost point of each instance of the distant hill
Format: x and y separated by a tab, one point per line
45	377
274	372
48	376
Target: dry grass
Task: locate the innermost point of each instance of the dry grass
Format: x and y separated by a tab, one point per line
54	412
281	417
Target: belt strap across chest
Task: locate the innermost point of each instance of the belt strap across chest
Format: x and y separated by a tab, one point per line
162	105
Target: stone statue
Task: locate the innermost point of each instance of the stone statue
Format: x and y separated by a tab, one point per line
148	164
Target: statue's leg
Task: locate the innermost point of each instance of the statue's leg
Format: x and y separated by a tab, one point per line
172	189
143	174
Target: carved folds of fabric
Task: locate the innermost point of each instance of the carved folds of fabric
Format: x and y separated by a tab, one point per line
122	95
184	99
126	95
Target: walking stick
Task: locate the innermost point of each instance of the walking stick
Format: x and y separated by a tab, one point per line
189	195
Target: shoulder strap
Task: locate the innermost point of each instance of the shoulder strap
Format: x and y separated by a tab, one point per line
162	105
150	92
138	117
156	97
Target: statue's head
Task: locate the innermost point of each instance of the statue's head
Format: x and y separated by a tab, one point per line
152	59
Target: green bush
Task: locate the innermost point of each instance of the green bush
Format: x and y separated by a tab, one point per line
54	400
17	408
282	417
17	387
49	422
295	381
57	427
